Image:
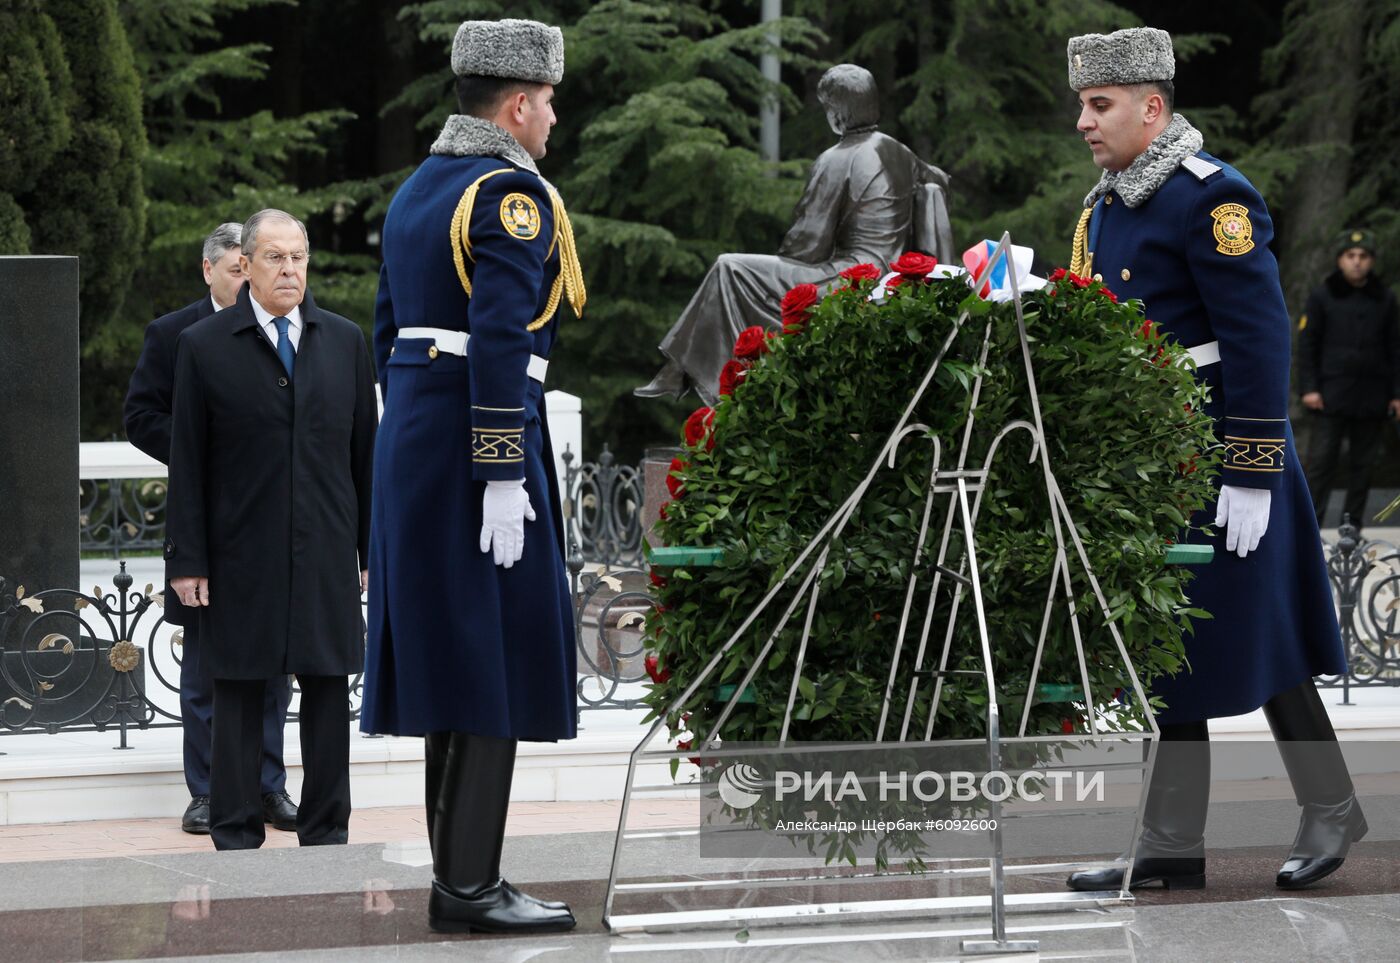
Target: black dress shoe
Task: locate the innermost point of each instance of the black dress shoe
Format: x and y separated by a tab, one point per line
280	811
498	908
196	818
1171	872
554	904
1325	834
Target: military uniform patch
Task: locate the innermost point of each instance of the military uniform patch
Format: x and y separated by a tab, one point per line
520	216
1234	235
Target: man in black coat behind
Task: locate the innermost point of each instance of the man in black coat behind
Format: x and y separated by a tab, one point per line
147	418
268	533
1349	372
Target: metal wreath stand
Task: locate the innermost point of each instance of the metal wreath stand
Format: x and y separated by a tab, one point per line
963	486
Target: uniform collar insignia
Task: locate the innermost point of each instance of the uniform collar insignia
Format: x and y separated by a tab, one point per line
1153	167
467	136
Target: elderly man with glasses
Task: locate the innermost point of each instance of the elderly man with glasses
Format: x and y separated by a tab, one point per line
268	524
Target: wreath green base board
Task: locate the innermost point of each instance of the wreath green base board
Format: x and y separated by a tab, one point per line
696	557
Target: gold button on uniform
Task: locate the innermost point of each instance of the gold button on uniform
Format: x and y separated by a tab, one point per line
1108	199
1127	275
433	352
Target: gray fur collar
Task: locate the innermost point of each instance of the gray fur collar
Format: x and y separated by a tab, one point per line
1153	166
467	136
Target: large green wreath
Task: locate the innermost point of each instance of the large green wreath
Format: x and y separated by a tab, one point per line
802	419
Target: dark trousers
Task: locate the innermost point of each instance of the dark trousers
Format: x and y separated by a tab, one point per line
1325	456
235	799
197	717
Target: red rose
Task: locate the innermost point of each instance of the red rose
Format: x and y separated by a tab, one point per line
1146	330
697	426
752	343
797	307
673	484
895	282
686	744
661	512
1109	294
912	264
1066	726
1058	274
1079	282
861	272
658	580
731	376
658	675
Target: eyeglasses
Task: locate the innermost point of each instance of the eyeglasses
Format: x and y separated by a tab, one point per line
275	259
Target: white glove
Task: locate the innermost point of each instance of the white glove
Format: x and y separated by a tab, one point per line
504	510
1245	514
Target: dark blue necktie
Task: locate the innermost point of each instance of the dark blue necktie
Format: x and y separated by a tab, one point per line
285	351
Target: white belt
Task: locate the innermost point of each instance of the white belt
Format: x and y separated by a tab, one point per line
1204	354
455	342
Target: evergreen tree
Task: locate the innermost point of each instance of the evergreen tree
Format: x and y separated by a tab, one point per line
35	98
207	164
1328	170
88	199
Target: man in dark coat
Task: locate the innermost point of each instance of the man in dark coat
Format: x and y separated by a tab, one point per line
471	631
1188	236
1348	372
268	532
868	200
147	418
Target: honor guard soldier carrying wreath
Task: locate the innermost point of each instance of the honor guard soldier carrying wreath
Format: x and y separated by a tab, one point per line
1188	236
471	631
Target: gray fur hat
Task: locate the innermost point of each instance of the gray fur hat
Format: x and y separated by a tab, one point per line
513	49
1138	55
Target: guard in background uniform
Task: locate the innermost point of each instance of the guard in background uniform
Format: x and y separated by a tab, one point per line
1348	372
1185	233
471	624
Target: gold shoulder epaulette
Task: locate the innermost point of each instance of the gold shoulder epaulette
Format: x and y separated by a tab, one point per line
570	279
461	227
1080	260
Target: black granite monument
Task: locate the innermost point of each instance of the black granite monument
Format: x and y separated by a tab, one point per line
39	422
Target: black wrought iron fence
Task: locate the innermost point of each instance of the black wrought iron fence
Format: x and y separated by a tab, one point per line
121	515
77	661
1365	577
603	509
71	660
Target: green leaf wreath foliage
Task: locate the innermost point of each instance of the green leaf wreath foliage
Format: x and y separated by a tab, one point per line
1131	444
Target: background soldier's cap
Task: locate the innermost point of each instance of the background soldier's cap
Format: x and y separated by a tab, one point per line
512	49
1354	238
1138	55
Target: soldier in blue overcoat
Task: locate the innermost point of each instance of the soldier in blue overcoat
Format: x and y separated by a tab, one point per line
1188	236
471	631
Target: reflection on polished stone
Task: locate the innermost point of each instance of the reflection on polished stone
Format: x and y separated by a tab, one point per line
369	902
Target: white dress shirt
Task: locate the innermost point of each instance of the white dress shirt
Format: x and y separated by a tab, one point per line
269	326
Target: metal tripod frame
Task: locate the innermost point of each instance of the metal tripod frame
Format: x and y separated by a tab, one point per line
963	487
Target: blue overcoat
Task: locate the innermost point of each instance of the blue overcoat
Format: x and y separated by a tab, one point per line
1196	253
457	643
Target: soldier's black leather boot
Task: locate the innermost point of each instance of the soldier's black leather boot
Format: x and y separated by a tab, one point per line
1172	848
435	745
469	895
1332	819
